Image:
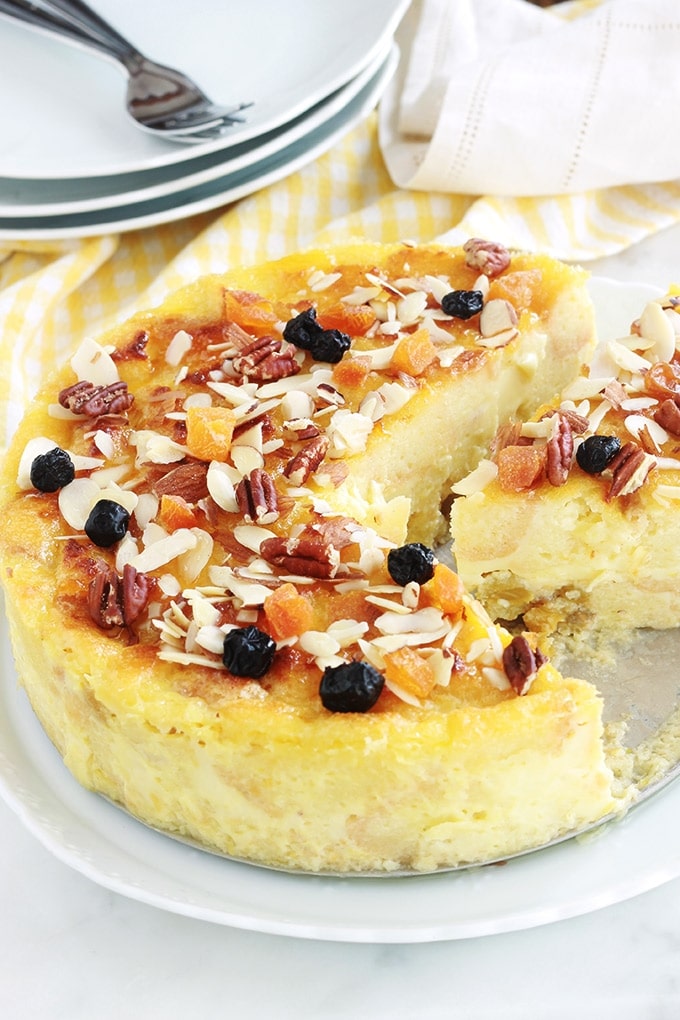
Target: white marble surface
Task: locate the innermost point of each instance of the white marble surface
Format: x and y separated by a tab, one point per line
71	950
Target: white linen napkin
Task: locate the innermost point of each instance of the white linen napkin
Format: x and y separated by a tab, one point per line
500	97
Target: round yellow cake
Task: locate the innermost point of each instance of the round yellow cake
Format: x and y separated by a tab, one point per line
218	567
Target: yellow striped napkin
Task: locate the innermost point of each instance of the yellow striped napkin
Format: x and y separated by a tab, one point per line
54	294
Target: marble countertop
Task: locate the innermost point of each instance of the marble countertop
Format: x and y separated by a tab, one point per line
72	950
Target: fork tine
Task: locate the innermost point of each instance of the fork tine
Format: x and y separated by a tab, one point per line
201	118
160	99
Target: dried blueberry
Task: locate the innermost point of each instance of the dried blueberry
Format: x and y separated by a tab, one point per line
248	651
302	329
463	304
107	524
309	335
350	687
596	452
413	562
52	470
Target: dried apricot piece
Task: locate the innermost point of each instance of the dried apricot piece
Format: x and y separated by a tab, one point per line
174	512
473	629
288	613
663	378
444	590
351	319
410	672
517	287
209	432
352	372
248	309
414	353
520	467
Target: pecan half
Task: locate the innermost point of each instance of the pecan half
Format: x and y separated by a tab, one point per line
309	555
521	663
667	415
104	598
559	452
266	360
257	497
629	468
92	401
305	463
115	601
488	257
135	589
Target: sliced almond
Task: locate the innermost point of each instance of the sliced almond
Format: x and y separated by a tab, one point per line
497	316
655	326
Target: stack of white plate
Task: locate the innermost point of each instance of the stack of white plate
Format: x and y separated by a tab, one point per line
72	164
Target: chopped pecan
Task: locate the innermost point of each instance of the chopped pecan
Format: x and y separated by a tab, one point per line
309	555
188	480
335	473
305	463
337	531
115	601
521	663
264	419
579	424
646	440
667	415
257	497
559	452
615	393
329	394
266	360
458	664
136	349
237	335
488	257
92	401
629	468
301	429
509	434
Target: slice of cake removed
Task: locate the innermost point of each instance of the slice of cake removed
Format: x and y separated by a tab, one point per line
573	524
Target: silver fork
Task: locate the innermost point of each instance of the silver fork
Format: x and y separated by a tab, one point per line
160	99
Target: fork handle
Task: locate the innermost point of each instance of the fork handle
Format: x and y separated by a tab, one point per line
85	18
46	17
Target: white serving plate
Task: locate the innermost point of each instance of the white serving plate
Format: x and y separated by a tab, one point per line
86	832
615	862
176	204
30	198
64	117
